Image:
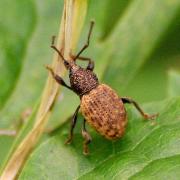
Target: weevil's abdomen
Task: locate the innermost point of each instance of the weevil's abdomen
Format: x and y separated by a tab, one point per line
103	110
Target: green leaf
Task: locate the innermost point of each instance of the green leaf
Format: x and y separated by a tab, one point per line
27	91
15	33
134	44
29	84
33	74
174	83
157	68
162	168
5	143
142	144
14	36
135	38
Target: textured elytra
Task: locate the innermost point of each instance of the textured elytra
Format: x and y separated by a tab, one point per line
104	111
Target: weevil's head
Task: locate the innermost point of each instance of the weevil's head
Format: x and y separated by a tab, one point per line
82	80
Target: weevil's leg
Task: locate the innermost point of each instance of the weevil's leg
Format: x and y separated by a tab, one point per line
73	123
55	48
131	101
90	62
58	78
66	63
87	138
88	39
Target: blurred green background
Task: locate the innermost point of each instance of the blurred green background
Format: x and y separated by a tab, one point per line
136	49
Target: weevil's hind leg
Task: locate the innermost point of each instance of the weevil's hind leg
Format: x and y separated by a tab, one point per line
136	105
73	123
87	139
58	78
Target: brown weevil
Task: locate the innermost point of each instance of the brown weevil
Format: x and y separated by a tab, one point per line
100	105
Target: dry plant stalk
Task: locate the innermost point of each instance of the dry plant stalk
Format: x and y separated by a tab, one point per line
71	24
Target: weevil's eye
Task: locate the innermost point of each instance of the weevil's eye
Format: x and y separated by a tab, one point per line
66	63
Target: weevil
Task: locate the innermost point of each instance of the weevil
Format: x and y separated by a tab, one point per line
100	105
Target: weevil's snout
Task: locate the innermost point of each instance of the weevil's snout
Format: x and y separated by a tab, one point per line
73	67
69	64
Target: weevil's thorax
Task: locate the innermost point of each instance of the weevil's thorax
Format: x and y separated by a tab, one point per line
82	80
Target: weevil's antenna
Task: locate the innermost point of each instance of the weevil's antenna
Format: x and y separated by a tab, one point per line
88	39
55	48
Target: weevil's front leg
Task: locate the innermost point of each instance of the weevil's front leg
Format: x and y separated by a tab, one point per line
90	65
58	78
87	139
73	123
131	101
90	62
88	39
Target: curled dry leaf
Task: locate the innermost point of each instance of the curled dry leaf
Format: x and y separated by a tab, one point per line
72	20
